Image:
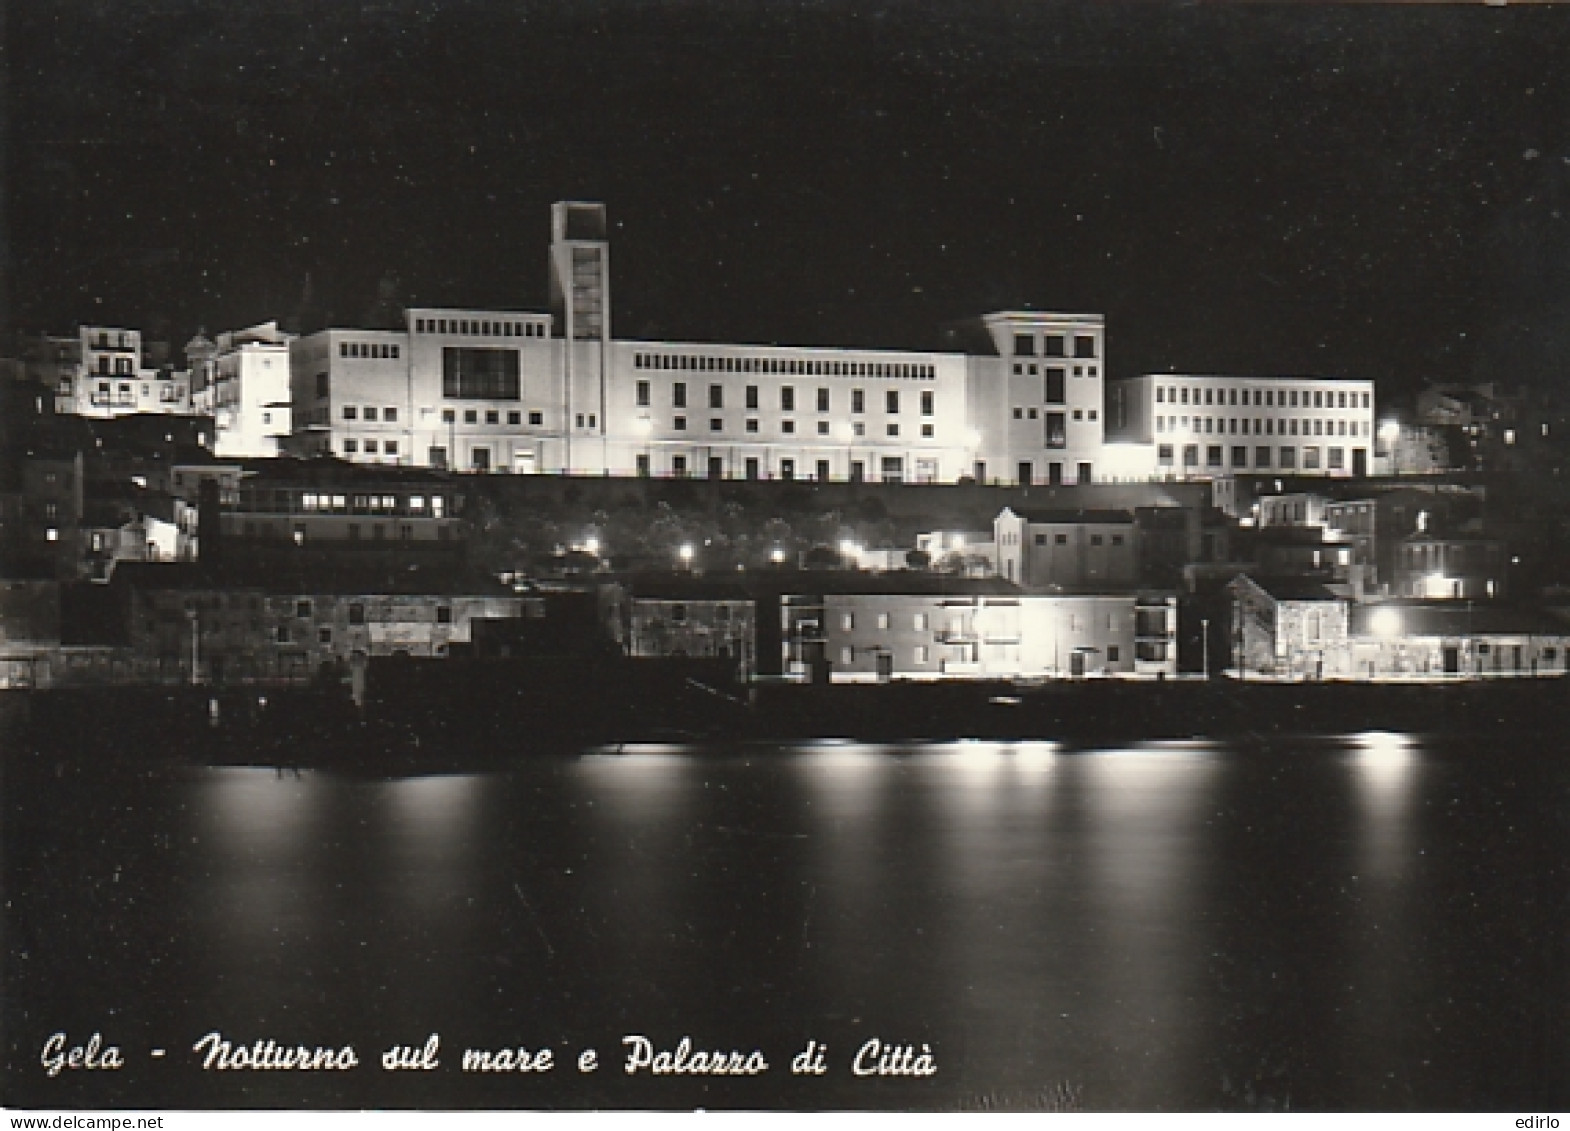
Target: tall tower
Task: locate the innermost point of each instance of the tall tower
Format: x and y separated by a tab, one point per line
581	304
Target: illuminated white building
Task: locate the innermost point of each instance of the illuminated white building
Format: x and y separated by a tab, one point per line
1020	400
109	379
1200	427
249	397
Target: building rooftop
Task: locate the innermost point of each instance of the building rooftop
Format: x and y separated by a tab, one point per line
1050	516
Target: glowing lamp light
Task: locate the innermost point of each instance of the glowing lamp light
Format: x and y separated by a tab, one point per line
686	553
592	545
1390	431
1386	623
776	555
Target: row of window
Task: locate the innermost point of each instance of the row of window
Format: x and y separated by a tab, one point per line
1268	398
1051	372
1267	426
370	412
367	349
352	446
482	327
1052	345
1335	458
314	501
266	500
494	416
1029	412
892	468
858	398
786	366
788	427
1061	539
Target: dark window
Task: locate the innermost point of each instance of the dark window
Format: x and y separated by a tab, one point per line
1024	345
536	418
1054	344
679	394
481	374
515	418
1084	346
787	399
356	613
716	396
1054	385
302	608
891	400
492	416
858	401
752	396
823	400
643	394
926	402
443	614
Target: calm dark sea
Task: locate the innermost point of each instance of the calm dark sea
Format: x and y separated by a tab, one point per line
1374	922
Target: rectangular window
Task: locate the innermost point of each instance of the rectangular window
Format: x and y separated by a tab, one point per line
356	613
1054	345
643	394
1239	455
891	400
390	415
716	396
858	401
515	417
787	399
679	423
350	412
716	424
351	445
1288	459
1213	455
370	447
1084	346
1024	345
679	394
1054	391
1056	433
752	467
492	416
536	418
679	466
823	471
752	396
823	400
926	402
443	614
1337	459
1164	453
370	412
787	469
473	373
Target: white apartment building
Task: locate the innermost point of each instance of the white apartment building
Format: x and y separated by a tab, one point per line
109	378
492	390
250	398
1200	427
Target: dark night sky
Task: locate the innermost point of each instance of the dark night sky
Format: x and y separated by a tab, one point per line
1370	191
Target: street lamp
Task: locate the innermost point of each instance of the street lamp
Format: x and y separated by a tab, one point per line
1390	432
686	554
1204	645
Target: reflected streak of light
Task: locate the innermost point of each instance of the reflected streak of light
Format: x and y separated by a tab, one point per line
642	786
434	813
259	812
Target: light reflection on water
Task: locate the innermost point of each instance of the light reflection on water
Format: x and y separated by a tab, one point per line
1181	925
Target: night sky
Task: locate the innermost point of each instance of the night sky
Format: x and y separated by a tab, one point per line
1366	191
